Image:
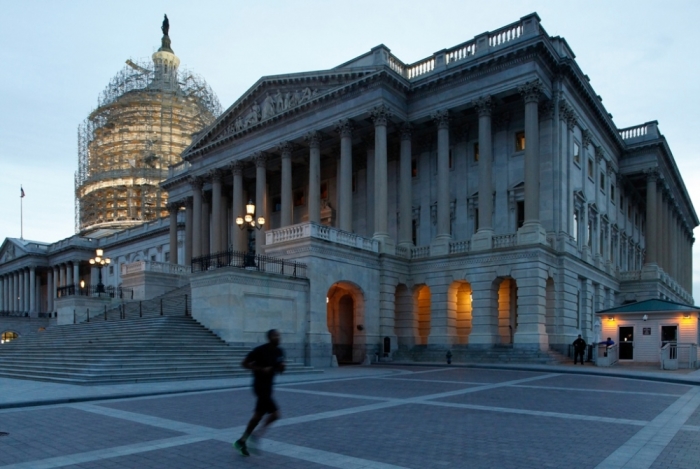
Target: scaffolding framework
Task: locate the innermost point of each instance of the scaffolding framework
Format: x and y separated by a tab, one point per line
139	128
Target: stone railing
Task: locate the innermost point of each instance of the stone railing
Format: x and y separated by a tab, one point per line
151	266
420	68
326	233
420	252
648	130
459	246
506	34
630	275
505	241
460	52
178	168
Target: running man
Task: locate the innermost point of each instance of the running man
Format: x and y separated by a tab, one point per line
264	361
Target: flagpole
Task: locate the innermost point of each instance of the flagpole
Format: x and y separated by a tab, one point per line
21	213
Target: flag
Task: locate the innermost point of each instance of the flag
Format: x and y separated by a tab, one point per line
21	192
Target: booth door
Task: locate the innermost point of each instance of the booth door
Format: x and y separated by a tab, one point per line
626	341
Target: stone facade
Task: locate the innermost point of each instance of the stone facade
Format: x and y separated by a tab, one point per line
482	196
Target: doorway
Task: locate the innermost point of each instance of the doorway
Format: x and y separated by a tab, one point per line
626	342
343	337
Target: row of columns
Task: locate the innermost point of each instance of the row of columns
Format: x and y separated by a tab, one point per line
20	289
669	242
197	224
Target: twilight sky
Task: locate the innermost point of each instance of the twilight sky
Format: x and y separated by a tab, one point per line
56	58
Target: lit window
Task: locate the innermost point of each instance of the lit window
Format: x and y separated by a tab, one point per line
476	151
519	141
590	168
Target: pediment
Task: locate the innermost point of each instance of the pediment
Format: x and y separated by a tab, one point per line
273	98
10	251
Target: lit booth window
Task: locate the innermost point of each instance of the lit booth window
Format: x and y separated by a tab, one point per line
8	336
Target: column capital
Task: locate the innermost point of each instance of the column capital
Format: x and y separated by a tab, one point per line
380	115
260	158
313	138
598	153
285	148
442	118
196	182
236	167
586	137
483	105
406	131
531	91
215	175
344	127
174	207
652	174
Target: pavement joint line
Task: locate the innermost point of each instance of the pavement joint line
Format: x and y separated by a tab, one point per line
691	428
537	413
318	456
612	391
642	449
477	383
100	454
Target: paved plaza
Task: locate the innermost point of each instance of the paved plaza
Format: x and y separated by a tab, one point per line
384	417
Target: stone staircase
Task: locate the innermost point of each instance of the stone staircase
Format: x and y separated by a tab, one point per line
135	343
502	354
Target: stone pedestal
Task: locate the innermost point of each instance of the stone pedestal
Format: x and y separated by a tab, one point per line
482	240
532	233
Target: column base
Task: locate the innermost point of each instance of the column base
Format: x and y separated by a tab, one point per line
440	246
532	233
440	341
482	240
483	340
387	245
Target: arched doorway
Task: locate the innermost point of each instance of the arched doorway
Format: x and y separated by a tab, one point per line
422	302
461	295
344	315
8	336
507	310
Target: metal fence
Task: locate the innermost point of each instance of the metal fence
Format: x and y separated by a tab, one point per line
249	261
95	290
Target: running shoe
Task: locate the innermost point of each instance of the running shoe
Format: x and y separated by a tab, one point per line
241	447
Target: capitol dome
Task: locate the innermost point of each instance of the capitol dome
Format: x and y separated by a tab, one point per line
144	120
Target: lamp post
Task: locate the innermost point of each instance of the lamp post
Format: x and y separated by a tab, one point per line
100	261
249	222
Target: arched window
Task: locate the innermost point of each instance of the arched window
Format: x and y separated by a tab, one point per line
8	336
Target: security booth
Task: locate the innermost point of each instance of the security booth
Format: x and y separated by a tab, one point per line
650	332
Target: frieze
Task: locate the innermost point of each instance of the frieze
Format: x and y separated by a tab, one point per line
271	105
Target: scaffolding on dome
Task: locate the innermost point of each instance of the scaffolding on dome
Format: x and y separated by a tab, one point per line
126	144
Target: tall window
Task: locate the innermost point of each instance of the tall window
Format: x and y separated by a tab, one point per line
577	154
476	151
576	225
519	141
520	213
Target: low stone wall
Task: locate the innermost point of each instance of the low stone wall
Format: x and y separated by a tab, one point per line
80	307
23	326
147	285
241	305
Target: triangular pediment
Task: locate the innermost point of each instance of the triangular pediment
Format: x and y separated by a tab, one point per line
10	250
272	98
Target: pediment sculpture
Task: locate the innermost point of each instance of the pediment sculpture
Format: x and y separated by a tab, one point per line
274	103
9	253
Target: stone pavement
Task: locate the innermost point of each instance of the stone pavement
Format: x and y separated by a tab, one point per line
385	417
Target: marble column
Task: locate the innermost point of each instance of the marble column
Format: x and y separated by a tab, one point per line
216	220
76	274
483	238
260	198
25	290
189	232
56	281
651	226
49	290
206	224
225	224
314	199
196	184
237	206
440	245
532	231
15	291
2	293
405	188
344	128
381	116
173	209
286	213
32	290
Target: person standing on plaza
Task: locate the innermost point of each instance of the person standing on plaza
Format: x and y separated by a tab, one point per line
579	349
265	361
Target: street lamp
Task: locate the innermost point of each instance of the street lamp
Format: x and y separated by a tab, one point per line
249	220
100	261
